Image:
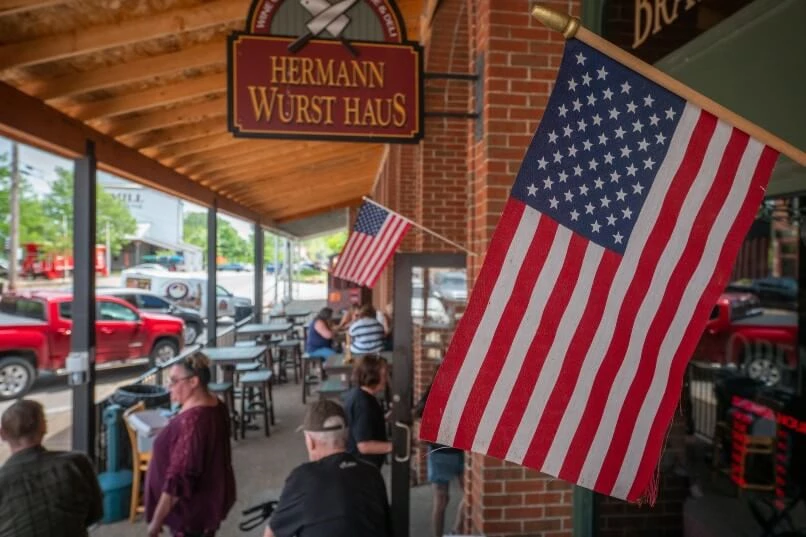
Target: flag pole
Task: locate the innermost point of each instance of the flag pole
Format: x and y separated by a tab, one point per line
570	27
415	224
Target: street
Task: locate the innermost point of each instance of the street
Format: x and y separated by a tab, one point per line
55	395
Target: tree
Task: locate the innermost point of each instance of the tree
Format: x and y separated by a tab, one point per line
230	245
33	221
58	211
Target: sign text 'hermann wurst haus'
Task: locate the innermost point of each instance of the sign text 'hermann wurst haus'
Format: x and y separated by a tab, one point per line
312	69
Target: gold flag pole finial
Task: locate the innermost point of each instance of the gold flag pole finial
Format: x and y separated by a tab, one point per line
561	22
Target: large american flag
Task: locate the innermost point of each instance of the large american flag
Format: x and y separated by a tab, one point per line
375	237
619	235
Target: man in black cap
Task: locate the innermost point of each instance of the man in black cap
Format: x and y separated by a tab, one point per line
334	495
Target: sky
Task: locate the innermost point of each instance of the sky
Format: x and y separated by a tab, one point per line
41	167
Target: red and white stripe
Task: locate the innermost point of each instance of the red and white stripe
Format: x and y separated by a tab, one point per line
364	256
574	355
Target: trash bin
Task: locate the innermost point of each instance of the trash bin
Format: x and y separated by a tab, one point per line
148	424
116	484
152	396
242	312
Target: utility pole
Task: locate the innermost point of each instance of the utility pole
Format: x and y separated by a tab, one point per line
14	227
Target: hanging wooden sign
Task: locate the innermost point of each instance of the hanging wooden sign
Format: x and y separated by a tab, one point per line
316	70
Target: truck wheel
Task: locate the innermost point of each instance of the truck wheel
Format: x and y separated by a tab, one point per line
764	370
192	332
164	350
17	375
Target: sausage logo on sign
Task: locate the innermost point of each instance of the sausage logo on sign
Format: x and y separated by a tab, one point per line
325	70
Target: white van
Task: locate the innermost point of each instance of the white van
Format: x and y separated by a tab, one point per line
187	290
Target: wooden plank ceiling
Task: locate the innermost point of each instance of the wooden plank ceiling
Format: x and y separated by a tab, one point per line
152	75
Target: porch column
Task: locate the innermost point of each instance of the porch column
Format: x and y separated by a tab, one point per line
212	299
259	238
82	341
289	261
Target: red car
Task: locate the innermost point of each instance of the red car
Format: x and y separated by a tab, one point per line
35	329
740	332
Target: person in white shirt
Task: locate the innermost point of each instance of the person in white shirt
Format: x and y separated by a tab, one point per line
366	333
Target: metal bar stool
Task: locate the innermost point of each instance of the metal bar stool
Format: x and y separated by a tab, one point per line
292	347
256	398
226	392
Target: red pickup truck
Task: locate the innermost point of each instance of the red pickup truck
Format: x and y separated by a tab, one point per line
761	341
35	330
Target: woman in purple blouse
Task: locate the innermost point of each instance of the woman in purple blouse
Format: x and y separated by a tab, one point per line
190	486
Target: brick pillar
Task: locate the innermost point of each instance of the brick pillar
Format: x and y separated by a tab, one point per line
521	59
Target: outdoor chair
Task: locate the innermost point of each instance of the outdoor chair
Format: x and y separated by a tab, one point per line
256	398
332	388
290	350
308	377
226	392
139	463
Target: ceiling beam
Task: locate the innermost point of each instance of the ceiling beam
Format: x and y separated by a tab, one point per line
315	164
293	177
231	152
128	72
305	199
285	205
171	135
221	158
150	98
31	121
170	153
161	119
319	209
85	40
13	7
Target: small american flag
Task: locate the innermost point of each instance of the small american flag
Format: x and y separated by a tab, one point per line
375	237
619	235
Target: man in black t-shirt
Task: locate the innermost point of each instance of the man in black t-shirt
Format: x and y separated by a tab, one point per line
334	495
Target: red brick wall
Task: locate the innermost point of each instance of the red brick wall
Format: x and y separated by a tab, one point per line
520	64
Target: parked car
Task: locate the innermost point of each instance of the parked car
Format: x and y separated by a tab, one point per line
450	286
742	334
153	303
150	266
35	329
187	290
236	267
773	292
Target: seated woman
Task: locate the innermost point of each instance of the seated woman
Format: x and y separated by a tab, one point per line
366	333
320	335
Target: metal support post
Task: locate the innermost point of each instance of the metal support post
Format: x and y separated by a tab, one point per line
259	238
800	381
276	270
212	295
81	362
289	264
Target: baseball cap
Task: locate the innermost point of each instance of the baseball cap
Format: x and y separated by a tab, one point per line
319	412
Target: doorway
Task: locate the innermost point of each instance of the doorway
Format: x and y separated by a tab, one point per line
430	295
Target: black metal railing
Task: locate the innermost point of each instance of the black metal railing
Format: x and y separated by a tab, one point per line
701	406
154	377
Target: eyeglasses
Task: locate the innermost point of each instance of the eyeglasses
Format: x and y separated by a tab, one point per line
173	381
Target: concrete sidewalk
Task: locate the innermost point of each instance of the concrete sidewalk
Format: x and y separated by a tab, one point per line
262	465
